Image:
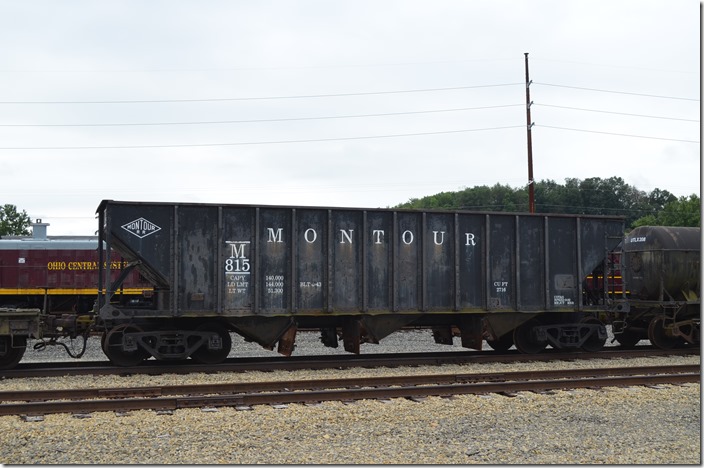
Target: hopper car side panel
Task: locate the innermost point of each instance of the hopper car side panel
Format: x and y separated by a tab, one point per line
241	261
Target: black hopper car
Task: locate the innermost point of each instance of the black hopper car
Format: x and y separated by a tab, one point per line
358	275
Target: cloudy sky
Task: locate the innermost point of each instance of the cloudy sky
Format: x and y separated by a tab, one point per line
338	102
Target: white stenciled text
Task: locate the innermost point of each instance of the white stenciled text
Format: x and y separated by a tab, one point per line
348	236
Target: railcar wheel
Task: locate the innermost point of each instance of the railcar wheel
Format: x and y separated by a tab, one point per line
691	334
204	355
112	347
11	350
593	343
658	335
503	343
524	339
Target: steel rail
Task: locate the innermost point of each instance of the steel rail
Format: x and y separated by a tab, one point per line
287	385
326	362
347	389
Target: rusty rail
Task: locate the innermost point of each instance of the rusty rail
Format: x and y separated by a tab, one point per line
283	392
327	362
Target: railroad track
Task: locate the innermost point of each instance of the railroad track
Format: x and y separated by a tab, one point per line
326	362
245	395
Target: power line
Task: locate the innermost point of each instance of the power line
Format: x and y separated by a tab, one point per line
261	98
263	120
446	132
617	134
617	113
614	66
596	209
259	68
600	208
617	92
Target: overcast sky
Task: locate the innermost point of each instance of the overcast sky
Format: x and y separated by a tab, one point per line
338	103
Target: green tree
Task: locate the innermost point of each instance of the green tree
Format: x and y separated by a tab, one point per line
612	196
480	198
13	222
551	197
657	199
592	196
476	199
683	211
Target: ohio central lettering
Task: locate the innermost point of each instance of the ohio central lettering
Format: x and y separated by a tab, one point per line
378	236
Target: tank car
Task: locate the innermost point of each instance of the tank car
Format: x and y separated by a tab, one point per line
356	275
661	272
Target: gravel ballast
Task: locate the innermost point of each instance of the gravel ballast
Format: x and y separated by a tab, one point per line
633	425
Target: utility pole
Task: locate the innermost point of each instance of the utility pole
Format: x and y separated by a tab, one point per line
529	125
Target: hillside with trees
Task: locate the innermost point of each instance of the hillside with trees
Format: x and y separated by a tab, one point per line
592	196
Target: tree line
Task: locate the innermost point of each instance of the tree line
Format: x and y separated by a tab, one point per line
592	196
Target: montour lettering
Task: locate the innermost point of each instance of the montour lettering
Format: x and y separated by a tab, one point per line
435	237
275	236
310	235
141	225
346	236
141	228
469	239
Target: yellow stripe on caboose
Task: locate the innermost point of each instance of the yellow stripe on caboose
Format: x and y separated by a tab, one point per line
63	291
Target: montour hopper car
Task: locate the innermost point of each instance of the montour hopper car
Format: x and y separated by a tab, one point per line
355	274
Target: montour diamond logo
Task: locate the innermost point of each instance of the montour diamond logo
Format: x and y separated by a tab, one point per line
141	228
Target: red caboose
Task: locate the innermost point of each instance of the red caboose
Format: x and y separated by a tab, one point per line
58	274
